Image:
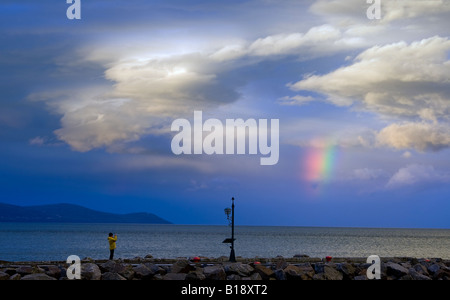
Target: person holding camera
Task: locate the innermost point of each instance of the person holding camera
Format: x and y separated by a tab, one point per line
112	245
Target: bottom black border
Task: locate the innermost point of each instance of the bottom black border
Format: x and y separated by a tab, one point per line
226	289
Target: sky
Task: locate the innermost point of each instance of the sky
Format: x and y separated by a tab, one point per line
363	104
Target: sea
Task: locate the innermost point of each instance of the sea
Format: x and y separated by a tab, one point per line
55	242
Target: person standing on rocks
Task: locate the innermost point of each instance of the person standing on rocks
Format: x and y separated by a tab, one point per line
112	245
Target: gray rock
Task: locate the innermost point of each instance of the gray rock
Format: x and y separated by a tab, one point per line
299	272
433	268
330	273
281	264
347	270
266	273
280	275
239	269
360	277
155	269
109	266
122	269
396	270
90	271
196	275
26	270
216	272
112	276
143	272
4	276
182	266
421	269
52	270
37	276
417	276
318	267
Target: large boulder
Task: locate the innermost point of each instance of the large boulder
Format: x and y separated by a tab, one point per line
182	266
330	273
299	272
421	269
432	269
143	272
125	270
396	270
417	276
280	275
348	270
239	269
215	272
26	270
265	272
53	271
90	271
196	275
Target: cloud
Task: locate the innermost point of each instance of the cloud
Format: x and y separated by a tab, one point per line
318	40
408	9
295	100
37	141
407	154
150	90
368	174
400	80
420	136
288	44
397	79
391	10
417	174
167	71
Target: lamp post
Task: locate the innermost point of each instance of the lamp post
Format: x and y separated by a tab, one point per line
228	212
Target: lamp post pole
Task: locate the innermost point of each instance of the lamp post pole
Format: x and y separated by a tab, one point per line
228	212
232	255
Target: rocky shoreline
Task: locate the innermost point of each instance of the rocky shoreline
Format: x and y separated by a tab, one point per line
210	269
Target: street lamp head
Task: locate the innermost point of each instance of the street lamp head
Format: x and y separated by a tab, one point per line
228	212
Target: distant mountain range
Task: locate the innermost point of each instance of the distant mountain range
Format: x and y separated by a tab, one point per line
70	213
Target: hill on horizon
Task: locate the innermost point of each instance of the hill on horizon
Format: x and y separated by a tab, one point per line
71	213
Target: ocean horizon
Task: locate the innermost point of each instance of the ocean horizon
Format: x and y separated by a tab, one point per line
57	241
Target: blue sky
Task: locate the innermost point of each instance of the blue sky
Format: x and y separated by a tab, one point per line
86	108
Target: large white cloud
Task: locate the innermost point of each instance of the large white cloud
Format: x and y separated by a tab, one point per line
397	79
421	136
408	82
151	90
156	78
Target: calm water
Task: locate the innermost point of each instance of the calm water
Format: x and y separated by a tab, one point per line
36	242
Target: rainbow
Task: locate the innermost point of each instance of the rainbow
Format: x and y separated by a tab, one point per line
319	162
